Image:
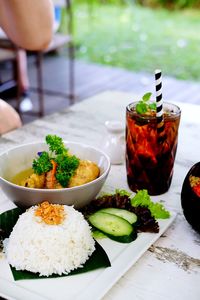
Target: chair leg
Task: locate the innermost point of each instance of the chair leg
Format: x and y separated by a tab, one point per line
17	76
71	73
71	51
39	59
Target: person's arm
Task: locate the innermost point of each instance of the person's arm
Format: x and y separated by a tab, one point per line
28	23
9	118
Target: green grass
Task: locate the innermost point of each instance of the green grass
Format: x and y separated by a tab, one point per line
139	39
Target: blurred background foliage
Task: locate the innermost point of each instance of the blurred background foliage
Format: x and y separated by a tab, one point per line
140	36
171	4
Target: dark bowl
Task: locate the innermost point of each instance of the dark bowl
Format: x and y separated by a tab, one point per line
190	201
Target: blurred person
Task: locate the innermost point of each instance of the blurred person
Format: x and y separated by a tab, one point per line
9	118
29	25
23	82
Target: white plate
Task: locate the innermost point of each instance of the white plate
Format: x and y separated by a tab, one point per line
92	285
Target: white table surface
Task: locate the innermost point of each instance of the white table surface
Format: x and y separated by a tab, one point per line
170	269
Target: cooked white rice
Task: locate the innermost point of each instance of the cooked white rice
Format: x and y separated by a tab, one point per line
50	249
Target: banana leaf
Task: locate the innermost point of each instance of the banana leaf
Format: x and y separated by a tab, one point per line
8	219
98	259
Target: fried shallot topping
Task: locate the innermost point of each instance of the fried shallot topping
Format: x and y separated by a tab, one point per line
51	214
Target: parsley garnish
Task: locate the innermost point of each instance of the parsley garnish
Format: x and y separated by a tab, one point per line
55	144
143	105
66	164
42	164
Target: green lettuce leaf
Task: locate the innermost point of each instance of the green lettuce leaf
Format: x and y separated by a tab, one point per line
122	192
157	209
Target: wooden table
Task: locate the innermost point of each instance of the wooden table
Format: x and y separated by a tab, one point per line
170	269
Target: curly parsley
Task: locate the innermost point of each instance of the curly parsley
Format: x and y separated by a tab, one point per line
66	164
42	164
56	144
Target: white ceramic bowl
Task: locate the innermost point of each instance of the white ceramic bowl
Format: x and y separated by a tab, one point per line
20	158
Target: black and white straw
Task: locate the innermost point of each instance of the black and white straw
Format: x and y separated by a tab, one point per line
159	102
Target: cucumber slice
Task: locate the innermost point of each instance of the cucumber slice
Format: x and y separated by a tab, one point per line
97	234
124	238
110	224
123	213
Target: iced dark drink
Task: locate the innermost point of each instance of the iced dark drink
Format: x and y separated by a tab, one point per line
149	154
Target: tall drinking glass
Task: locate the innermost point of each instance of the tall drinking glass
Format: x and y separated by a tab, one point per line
150	158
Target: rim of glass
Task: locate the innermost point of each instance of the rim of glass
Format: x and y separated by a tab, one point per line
175	113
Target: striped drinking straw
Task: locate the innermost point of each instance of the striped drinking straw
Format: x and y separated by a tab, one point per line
159	103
